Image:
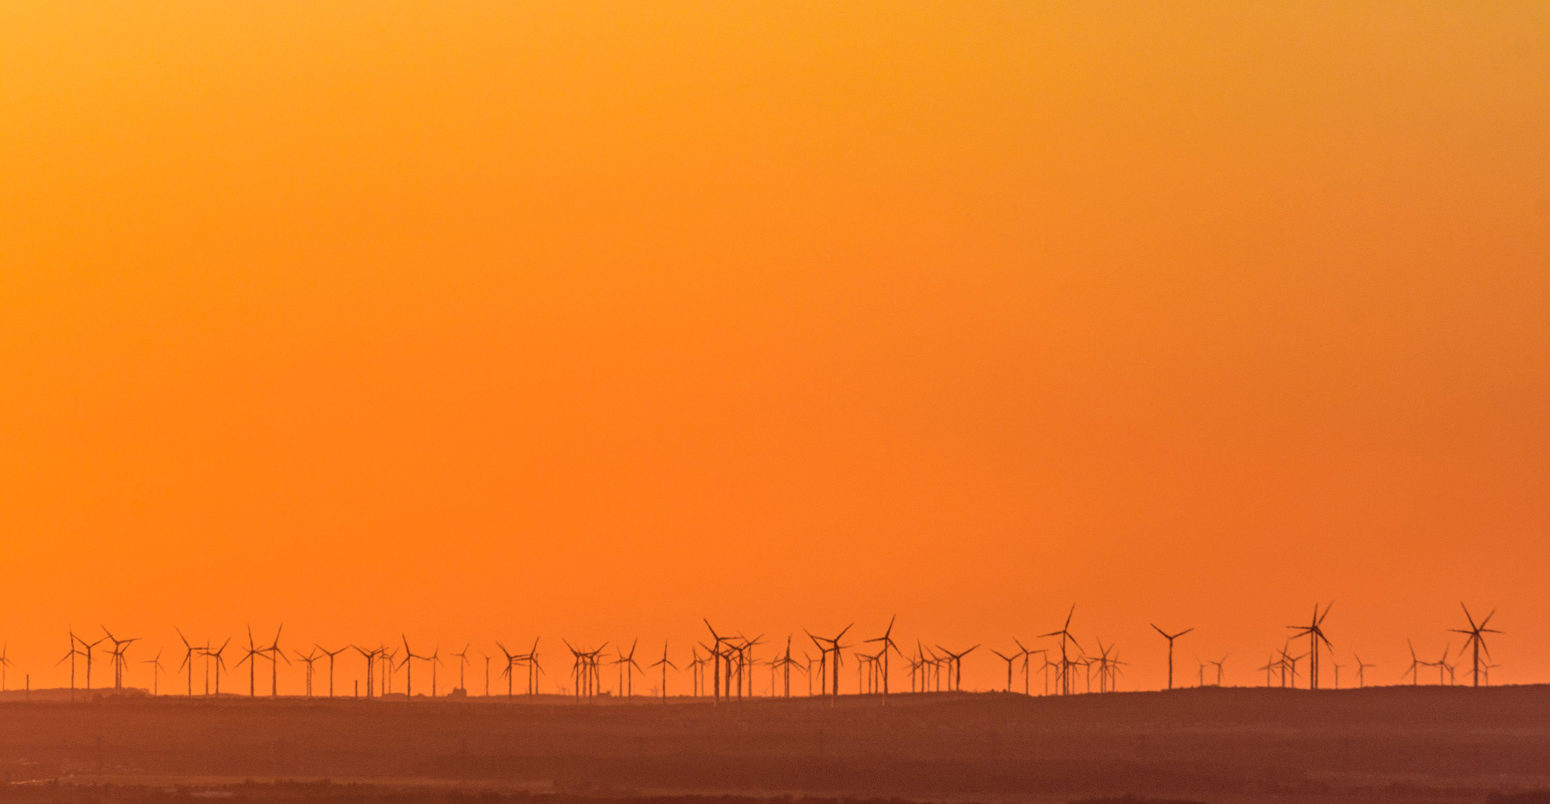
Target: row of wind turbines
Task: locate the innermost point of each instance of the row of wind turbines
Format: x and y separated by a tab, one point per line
724	665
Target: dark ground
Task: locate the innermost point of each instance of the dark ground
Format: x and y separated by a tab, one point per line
1390	744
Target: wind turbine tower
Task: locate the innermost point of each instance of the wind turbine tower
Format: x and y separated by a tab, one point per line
1170	638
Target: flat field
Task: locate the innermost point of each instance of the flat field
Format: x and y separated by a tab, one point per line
1431	744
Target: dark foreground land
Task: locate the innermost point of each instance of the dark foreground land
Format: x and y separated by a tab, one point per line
1217	745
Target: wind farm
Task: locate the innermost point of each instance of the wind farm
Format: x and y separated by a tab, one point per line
724	667
834	720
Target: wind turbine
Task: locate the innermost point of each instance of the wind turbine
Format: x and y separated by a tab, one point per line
1102	661
5	662
275	657
1415	666
594	665
1009	660
1027	655
578	665
955	665
371	660
867	666
331	654
715	659
1108	667
188	658
385	663
834	648
154	662
746	663
407	664
888	644
664	663
1361	667
308	658
217	661
584	666
462	664
1314	631
1043	654
1289	666
1048	665
251	659
86	650
1218	663
696	664
785	663
736	656
1269	667
120	647
1116	666
627	667
511	661
1087	672
1065	664
935	664
1170	638
535	668
1475	641
70	657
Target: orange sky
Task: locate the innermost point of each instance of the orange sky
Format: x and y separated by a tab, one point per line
487	320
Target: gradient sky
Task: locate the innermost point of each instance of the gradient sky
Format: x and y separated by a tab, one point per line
480	320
